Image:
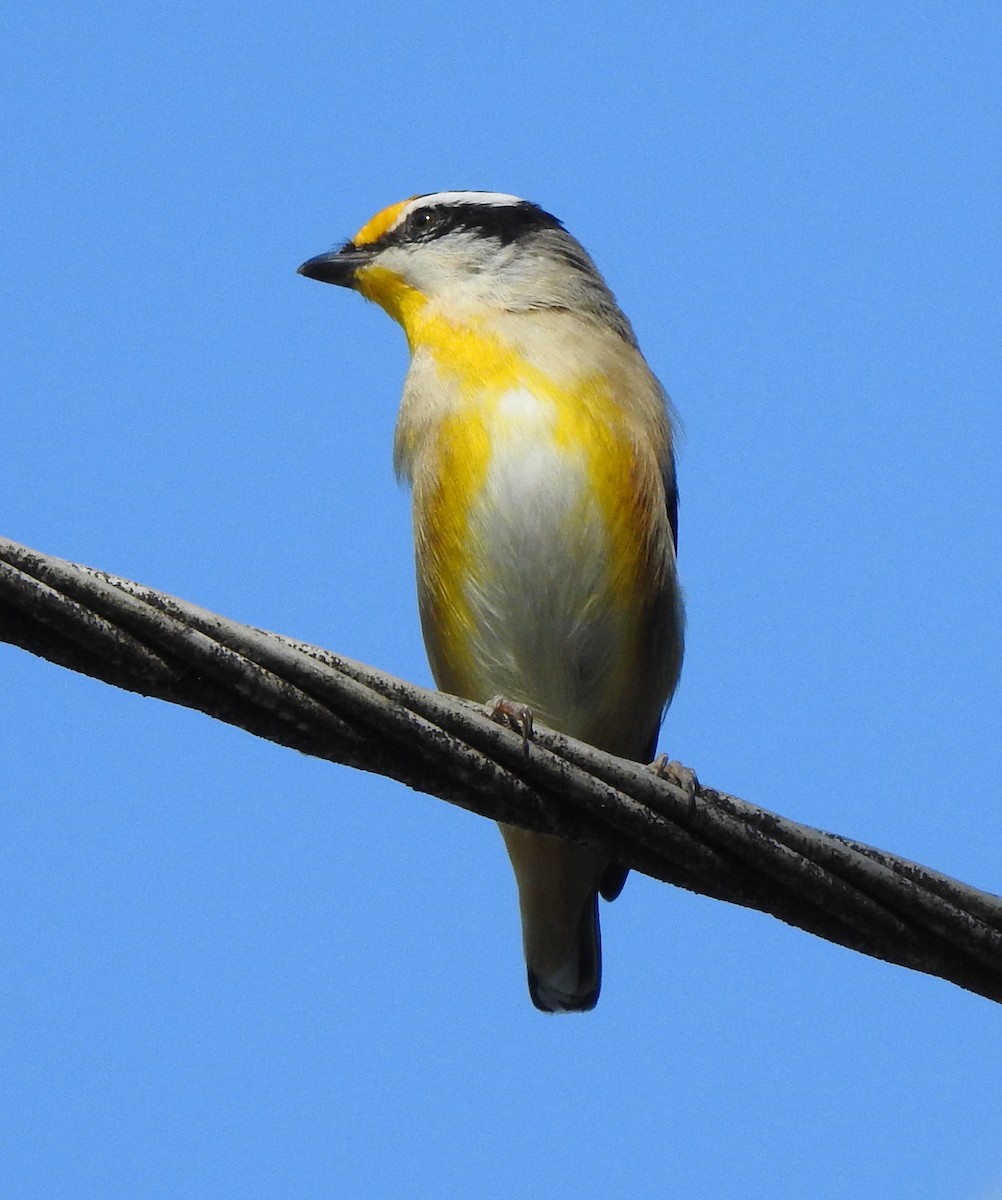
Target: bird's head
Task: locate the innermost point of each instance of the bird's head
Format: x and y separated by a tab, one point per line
469	254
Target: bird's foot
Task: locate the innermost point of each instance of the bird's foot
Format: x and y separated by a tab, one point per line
674	772
513	716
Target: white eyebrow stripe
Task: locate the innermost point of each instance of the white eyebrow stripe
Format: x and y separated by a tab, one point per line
435	199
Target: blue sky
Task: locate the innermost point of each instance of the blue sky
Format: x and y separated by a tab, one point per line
229	970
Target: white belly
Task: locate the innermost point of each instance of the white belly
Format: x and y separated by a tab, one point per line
545	630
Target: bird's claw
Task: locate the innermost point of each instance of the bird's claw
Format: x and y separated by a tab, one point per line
674	772
513	716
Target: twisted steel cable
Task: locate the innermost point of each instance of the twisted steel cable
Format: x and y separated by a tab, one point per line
324	705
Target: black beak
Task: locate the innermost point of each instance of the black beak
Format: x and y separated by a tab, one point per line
337	266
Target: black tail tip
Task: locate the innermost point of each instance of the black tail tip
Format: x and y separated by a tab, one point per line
550	999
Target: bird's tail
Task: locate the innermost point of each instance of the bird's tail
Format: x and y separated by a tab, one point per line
558	889
575	985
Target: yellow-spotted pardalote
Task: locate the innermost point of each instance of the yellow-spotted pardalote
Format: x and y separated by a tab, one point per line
539	448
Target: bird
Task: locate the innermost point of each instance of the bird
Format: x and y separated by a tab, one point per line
538	445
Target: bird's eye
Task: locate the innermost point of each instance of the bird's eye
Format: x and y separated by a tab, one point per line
422	222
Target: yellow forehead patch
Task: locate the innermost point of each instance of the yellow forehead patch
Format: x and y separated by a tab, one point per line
381	223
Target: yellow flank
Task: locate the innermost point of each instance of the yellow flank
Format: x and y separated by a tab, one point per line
462	450
383	221
588	422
